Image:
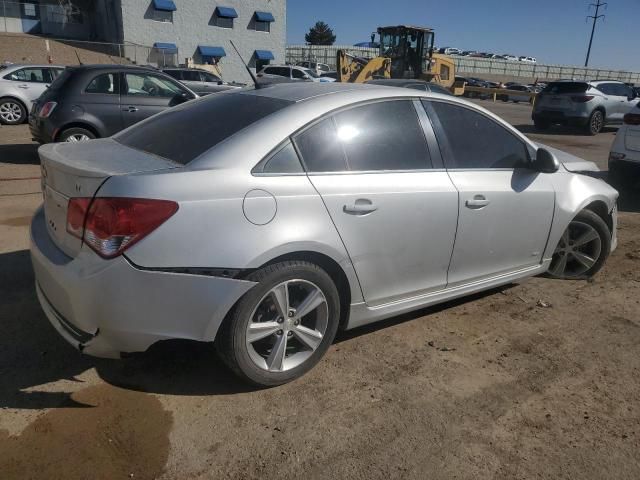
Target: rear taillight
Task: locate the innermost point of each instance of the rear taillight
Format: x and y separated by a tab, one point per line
110	225
47	109
632	119
582	98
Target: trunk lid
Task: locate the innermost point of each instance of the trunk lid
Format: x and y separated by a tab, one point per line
78	170
632	138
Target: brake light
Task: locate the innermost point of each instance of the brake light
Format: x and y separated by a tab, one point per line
47	109
582	98
632	119
113	224
76	213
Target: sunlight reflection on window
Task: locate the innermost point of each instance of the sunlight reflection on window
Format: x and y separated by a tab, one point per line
346	133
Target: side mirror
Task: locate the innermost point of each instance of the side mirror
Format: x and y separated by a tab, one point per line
220	82
545	162
181	98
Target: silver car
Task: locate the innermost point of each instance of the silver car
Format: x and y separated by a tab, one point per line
20	86
265	220
589	105
200	81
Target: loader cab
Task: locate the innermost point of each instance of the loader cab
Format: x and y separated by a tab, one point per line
409	48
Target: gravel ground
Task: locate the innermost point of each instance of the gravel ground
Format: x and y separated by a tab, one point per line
536	380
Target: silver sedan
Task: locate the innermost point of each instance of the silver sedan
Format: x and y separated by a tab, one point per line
265	220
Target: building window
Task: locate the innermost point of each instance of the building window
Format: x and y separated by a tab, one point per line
64	14
29	10
262	21
263	26
162	16
224	17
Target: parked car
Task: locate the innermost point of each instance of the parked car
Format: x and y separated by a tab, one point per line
20	86
200	81
511	58
332	74
229	220
528	59
292	73
450	51
415	84
512	97
589	105
624	159
94	101
319	68
467	53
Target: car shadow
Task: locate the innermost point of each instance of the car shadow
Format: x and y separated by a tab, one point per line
34	356
20	154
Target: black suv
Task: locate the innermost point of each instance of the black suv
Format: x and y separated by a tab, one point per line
93	101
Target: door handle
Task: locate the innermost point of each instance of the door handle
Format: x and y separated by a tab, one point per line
477	202
23	86
130	109
360	207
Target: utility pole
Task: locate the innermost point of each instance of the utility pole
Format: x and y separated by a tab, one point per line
593	29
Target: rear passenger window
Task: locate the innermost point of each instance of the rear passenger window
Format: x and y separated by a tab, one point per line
383	136
320	149
470	140
283	161
105	84
373	137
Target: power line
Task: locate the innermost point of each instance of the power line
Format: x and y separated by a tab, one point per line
595	17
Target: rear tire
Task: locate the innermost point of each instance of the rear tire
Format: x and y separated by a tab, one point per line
75	134
582	249
595	124
541	124
12	111
302	340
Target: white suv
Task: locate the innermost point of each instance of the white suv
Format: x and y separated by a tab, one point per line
625	151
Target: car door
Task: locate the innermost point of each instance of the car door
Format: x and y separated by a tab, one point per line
145	94
615	101
393	205
505	207
100	102
33	81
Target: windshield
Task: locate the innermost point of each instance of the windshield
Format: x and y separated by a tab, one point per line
185	132
311	73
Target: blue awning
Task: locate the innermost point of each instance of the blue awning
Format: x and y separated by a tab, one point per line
167	47
206	51
226	12
264	55
265	17
166	5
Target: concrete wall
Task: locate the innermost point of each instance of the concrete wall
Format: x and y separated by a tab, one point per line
194	24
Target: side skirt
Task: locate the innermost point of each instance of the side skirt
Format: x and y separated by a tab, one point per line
361	314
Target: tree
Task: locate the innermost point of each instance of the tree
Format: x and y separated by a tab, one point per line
320	34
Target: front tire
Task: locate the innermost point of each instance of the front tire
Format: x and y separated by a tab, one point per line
12	112
283	326
583	247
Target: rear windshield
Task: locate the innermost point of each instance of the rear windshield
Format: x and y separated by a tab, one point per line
61	79
566	87
183	133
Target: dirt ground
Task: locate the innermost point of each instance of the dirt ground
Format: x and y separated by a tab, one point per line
538	380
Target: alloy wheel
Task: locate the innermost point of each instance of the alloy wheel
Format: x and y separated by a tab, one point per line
77	137
10	112
596	122
577	252
287	326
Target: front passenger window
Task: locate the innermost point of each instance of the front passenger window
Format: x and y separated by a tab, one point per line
143	85
470	140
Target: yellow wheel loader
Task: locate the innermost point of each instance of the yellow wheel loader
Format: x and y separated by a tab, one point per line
405	52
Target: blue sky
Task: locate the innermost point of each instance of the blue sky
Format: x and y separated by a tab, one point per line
553	31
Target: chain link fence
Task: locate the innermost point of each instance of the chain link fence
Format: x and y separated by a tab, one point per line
471	66
325	54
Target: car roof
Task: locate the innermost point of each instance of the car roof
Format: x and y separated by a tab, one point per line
298	92
112	66
396	82
23	65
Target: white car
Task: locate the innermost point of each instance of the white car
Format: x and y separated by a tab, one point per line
625	151
528	59
20	86
510	58
290	73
